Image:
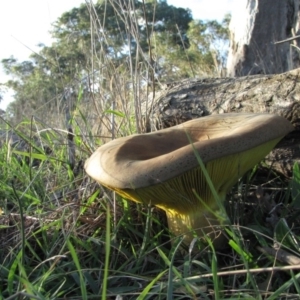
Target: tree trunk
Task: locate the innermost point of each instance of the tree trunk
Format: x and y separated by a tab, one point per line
255	26
277	94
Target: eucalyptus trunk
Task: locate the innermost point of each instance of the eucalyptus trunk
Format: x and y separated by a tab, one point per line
255	27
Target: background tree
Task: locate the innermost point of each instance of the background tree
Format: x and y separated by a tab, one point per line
117	51
255	28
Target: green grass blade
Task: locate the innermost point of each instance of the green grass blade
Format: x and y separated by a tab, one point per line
107	254
147	289
79	269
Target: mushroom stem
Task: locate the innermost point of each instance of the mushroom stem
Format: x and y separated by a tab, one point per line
197	224
190	202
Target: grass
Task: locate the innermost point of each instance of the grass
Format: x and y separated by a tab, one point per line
63	236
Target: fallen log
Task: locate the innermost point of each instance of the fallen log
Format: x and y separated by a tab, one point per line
195	98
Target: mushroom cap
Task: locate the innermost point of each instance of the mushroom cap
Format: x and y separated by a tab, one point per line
161	168
143	160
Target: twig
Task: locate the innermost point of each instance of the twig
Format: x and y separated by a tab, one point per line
288	40
252	271
68	109
281	255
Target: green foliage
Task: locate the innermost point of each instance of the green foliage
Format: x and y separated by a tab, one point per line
203	55
284	236
295	186
76	241
113	43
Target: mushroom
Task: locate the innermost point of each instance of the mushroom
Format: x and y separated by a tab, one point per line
161	168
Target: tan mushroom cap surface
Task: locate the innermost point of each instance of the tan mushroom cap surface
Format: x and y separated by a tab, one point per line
143	160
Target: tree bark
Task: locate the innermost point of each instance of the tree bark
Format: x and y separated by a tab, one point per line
190	99
255	27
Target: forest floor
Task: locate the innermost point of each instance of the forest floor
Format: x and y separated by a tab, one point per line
63	236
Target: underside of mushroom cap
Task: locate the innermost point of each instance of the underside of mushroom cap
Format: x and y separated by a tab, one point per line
144	160
183	192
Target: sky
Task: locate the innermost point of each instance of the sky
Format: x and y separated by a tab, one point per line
25	24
